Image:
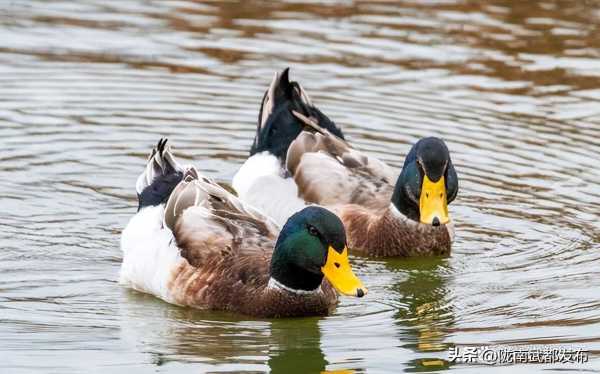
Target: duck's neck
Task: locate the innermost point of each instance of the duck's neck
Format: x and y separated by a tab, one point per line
279	300
403	204
293	278
274	284
394	213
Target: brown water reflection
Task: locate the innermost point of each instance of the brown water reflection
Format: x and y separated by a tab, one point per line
87	86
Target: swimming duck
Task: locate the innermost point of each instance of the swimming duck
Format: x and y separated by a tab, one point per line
192	243
382	218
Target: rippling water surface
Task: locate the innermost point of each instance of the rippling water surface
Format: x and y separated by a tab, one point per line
87	87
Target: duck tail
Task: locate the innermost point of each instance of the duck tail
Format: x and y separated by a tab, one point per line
278	126
160	177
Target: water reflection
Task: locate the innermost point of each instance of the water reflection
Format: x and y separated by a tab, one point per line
172	334
87	86
424	312
296	347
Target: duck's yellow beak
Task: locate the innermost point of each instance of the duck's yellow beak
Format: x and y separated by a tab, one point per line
338	272
433	202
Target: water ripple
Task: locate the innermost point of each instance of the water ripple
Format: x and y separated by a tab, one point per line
87	87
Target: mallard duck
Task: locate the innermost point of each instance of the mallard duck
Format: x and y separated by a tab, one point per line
192	243
408	218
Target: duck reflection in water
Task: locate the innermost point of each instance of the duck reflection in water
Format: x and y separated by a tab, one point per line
185	335
296	348
424	314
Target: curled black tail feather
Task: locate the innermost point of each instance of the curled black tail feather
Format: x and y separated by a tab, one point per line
278	127
162	175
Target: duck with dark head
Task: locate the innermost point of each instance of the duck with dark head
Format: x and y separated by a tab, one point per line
198	245
384	214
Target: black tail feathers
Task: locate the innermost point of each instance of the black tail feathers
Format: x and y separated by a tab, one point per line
161	176
277	125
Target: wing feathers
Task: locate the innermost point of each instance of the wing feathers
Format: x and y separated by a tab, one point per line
208	221
330	172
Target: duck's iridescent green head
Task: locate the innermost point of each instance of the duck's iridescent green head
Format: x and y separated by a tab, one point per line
312	244
427	183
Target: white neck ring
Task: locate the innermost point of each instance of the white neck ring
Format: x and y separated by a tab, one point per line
275	284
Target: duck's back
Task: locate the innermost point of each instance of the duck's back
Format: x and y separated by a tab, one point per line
329	172
204	248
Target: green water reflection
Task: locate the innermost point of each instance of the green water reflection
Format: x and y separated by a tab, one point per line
424	313
228	340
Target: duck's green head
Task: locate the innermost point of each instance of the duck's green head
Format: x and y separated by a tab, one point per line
427	183
312	244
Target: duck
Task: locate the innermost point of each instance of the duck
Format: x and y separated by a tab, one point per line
193	243
385	214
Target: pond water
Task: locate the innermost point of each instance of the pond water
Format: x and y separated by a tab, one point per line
87	87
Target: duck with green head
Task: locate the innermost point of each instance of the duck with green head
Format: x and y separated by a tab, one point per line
382	218
200	246
384	214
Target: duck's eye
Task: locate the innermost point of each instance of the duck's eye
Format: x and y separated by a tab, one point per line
313	231
441	194
426	194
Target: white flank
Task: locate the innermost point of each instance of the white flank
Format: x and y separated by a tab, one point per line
260	183
149	253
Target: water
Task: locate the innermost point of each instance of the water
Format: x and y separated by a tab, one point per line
87	87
